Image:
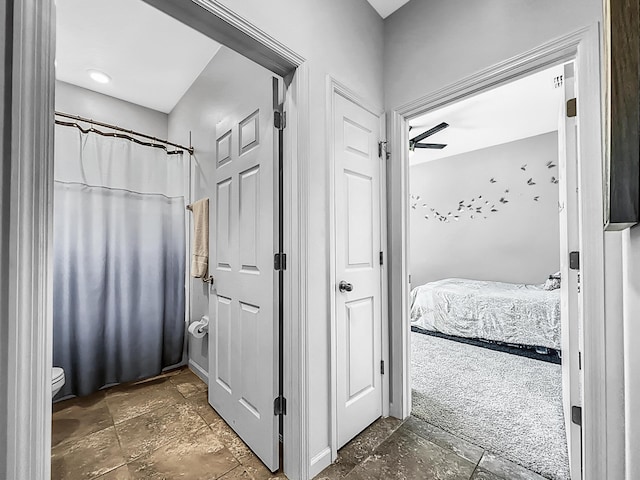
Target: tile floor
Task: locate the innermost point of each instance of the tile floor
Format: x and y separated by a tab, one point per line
162	428
391	449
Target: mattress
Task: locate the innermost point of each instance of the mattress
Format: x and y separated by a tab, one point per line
494	311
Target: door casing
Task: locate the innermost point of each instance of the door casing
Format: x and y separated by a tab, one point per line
26	400
583	48
334	88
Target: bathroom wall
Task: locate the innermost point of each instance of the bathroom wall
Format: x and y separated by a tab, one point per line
518	243
103	108
209	100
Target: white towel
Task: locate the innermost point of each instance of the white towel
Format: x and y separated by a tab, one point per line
200	253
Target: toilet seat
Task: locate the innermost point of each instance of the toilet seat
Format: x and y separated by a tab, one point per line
57	376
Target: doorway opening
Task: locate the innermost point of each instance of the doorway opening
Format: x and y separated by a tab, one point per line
168	210
586	426
490	327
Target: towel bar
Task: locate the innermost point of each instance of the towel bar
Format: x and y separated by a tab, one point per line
208	279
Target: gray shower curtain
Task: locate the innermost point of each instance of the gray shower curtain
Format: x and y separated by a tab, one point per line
119	264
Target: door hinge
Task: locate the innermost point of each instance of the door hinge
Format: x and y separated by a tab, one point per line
381	258
382	367
572	107
279	120
382	147
579	360
576	415
574	260
280	406
280	261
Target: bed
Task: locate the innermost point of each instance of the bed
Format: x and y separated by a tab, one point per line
508	313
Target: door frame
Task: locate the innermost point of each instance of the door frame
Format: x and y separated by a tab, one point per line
27	186
583	48
335	88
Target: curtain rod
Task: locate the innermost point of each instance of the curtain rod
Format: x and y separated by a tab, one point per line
157	142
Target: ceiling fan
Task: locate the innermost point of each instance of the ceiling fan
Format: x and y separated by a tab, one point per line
415	141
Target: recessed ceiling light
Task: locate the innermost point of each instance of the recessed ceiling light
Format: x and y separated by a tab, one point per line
98	76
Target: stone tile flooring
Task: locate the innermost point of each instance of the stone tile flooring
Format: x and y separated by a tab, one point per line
161	428
391	449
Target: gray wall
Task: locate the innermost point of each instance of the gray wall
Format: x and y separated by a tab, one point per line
103	108
452	39
631	290
209	100
520	243
5	174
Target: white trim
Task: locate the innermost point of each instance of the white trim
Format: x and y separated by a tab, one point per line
29	425
29	340
335	87
297	156
199	371
242	25
319	462
583	47
384	271
332	89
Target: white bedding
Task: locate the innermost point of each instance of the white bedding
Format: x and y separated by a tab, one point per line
502	312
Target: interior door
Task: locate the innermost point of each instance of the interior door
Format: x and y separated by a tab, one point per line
358	171
243	337
570	284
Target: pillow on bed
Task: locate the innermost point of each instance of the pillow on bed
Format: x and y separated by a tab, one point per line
553	282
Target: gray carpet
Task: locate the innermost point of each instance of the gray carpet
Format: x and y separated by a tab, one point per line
509	405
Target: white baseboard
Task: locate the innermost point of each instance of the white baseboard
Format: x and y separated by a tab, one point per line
319	462
199	371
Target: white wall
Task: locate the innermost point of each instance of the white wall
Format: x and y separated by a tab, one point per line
520	243
212	98
343	39
103	108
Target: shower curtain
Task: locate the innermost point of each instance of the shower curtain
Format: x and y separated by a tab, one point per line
119	260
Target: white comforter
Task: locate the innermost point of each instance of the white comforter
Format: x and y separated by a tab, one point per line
502	312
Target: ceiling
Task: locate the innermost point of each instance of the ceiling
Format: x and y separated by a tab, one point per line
521	109
386	7
151	58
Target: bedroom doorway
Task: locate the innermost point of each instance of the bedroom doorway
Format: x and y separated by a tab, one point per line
493	301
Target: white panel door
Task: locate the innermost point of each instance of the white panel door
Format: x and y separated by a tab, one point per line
570	309
243	333
358	246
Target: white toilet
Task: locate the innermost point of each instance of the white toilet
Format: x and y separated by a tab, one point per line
57	380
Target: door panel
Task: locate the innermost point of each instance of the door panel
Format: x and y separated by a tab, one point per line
244	344
360	348
358	243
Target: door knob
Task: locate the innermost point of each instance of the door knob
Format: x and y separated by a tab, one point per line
344	286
